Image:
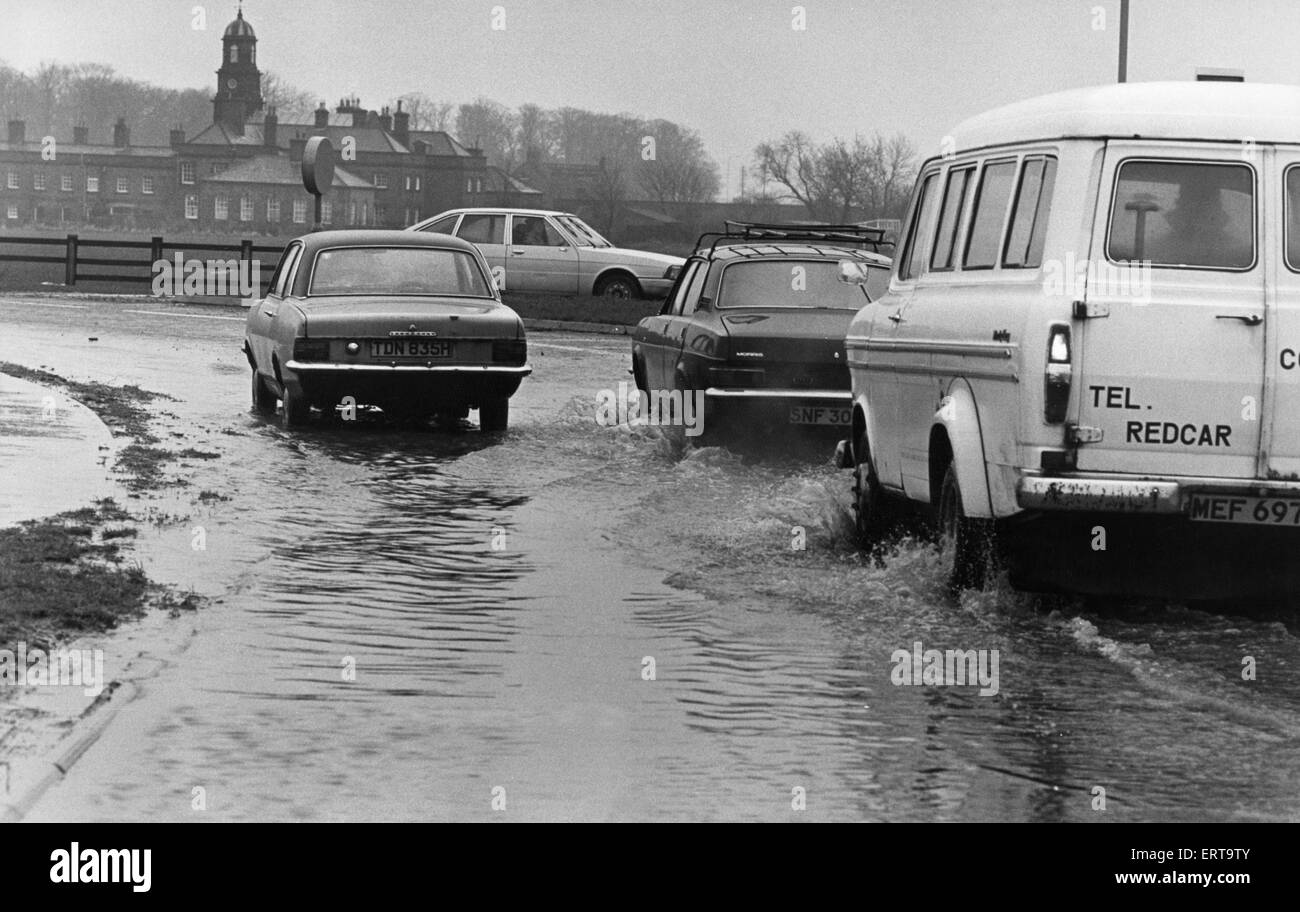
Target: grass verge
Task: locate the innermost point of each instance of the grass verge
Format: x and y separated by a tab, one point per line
580	309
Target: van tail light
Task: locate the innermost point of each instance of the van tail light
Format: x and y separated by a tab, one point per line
1056	379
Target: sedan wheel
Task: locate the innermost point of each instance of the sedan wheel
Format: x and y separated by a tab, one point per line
296	409
619	287
494	415
966	544
263	398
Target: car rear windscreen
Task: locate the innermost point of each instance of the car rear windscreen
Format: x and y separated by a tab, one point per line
397	271
789	283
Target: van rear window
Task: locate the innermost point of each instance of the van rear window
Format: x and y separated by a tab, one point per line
1293	218
1189	214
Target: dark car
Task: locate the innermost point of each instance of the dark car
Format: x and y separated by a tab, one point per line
410	323
754	326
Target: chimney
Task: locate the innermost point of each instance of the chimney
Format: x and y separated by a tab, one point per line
121	134
296	146
80	135
322	115
401	124
177	136
17	131
270	126
386	120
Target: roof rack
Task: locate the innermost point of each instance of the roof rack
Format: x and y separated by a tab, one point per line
856	235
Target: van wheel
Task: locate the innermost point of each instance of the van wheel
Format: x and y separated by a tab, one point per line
296	409
263	398
966	544
872	517
494	415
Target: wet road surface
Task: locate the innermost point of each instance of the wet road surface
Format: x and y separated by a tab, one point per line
422	624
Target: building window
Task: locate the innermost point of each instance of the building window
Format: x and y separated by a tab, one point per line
246	209
12	183
38	182
92	184
469	185
191	207
65	183
123	185
381	181
12	212
326	212
273	210
187	172
299	211
221	208
146	186
216	168
380	214
412	183
417	182
234	53
478	185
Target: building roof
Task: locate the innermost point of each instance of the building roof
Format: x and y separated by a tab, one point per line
501	182
1214	111
239	28
274	168
367	138
439	142
89	149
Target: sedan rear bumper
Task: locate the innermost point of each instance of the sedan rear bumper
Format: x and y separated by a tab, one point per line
715	392
379	370
412	387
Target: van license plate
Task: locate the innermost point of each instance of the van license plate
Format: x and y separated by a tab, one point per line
821	414
1252	511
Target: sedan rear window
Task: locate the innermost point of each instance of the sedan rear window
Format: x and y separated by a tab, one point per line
786	283
1190	214
397	271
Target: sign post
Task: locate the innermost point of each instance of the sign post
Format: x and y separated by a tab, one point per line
317	170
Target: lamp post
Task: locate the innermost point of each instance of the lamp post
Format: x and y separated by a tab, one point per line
1123	40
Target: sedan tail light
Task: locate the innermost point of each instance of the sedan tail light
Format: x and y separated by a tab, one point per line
311	350
510	351
1058	375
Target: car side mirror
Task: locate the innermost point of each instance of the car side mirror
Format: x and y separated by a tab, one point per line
854	272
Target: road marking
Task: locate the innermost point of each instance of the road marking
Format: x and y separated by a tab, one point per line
167	313
575	348
42	304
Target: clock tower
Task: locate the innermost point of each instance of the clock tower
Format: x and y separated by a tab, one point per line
239	82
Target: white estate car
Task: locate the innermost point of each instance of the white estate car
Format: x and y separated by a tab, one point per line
1089	353
548	251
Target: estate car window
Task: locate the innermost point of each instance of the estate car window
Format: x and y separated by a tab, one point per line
1293	218
687	303
913	258
1029	215
535	231
283	271
483	229
1190	214
443	225
985	236
787	283
398	271
674	300
954	204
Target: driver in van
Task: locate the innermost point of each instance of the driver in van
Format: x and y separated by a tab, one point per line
1201	230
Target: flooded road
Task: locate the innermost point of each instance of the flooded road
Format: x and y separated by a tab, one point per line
577	622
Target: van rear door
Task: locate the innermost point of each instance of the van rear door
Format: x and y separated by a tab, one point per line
1171	330
1282	405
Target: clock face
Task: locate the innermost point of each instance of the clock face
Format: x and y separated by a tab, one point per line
232	83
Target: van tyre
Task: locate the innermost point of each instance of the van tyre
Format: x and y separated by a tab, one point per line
296	409
263	398
872	518
494	415
968	541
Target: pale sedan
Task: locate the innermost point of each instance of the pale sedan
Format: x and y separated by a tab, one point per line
409	323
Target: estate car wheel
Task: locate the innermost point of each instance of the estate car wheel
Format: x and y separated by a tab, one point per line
965	543
263	398
620	287
296	409
494	415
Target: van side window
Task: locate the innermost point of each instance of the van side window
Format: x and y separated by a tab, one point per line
950	218
1029	214
985	236
1198	215
1293	218
914	256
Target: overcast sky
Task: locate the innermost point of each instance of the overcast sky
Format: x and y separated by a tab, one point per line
735	70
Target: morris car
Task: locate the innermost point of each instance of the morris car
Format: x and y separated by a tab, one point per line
547	251
409	323
756	324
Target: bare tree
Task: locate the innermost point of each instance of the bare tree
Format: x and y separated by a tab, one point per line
837	178
679	171
426	113
291	104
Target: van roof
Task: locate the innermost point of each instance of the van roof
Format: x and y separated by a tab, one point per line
1213	111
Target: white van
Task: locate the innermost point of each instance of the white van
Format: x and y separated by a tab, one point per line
1090	348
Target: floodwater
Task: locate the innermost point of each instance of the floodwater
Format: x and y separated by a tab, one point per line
579	622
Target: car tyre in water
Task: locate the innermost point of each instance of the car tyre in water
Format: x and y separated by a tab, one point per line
965	543
872	517
296	408
619	287
263	398
494	415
